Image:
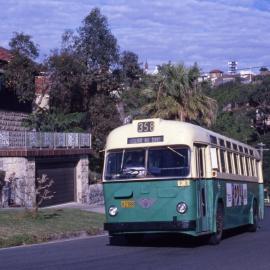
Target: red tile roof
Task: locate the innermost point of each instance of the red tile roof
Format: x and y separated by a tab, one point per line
5	55
216	71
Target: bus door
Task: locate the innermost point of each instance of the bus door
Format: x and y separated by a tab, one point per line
201	187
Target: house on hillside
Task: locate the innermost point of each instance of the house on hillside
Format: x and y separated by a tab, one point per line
42	89
247	76
215	77
5	57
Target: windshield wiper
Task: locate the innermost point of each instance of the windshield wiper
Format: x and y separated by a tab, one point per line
176	152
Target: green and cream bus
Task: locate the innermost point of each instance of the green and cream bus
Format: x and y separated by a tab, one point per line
170	176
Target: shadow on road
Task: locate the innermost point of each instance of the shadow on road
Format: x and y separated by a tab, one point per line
170	240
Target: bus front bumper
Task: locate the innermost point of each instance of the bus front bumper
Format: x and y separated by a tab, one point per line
156	226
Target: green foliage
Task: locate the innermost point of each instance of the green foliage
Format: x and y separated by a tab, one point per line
130	70
261	96
67	81
23	45
262	69
177	95
135	98
235	125
21	71
56	121
232	93
95	42
103	118
266	156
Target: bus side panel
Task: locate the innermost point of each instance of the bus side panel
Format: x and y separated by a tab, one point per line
261	201
237	198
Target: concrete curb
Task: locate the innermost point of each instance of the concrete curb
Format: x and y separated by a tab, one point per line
84	235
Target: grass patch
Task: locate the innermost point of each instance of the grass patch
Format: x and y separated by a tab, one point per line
18	227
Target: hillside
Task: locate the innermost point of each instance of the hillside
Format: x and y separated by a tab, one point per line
243	113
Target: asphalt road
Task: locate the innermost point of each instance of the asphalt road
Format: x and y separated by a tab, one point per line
239	250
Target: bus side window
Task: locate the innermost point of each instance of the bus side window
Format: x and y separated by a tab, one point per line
257	168
241	165
214	159
229	159
247	166
254	164
222	161
251	166
235	163
200	160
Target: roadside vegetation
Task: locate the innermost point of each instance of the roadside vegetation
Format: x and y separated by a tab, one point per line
20	228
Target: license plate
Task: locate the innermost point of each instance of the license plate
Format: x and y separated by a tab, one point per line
127	204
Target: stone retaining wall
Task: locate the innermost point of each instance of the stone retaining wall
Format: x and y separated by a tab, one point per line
23	171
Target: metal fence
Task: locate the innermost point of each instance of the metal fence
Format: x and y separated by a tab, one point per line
51	140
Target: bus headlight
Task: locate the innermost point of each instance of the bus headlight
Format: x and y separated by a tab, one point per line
113	211
181	207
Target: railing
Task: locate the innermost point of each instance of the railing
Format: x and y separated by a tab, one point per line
51	140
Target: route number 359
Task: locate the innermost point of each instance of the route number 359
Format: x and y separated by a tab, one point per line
146	126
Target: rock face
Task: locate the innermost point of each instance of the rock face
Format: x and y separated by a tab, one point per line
20	179
96	195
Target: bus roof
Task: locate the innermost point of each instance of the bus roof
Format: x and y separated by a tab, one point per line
159	132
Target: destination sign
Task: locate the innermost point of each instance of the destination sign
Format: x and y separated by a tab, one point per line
152	139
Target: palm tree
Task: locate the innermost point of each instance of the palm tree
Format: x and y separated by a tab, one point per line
178	96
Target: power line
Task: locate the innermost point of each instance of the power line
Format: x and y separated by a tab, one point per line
264	66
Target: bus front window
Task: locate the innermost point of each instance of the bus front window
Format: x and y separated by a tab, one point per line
126	164
168	162
161	162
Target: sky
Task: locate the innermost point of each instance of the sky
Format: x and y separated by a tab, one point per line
209	32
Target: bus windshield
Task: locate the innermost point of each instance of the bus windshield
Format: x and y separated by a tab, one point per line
147	163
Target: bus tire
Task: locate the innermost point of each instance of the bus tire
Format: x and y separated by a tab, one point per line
254	226
216	237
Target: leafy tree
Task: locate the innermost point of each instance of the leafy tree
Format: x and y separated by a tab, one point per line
177	95
138	96
95	42
83	77
22	69
266	156
233	93
23	45
67	73
130	68
104	117
263	69
236	125
81	68
261	95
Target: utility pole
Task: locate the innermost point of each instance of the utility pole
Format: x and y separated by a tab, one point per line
261	146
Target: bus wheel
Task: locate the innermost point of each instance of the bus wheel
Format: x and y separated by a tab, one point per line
254	226
216	237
